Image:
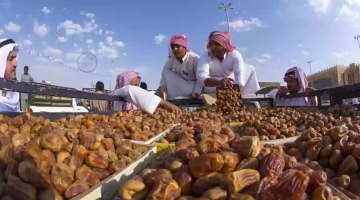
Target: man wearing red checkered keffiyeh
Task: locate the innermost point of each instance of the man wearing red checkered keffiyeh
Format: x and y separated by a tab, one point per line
222	38
223	64
178	78
136	98
124	79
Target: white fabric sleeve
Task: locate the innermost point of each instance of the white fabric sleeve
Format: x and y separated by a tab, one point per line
166	66
279	102
273	93
239	69
199	84
203	69
143	99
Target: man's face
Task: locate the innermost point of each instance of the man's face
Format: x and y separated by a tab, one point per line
26	71
293	85
216	49
135	82
178	50
11	63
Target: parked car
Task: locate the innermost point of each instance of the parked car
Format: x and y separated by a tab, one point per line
40	103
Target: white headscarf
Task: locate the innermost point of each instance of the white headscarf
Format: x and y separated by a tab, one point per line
10	102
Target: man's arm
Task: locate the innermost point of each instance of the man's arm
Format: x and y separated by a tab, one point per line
312	100
203	73
199	84
31	79
143	99
239	69
83	102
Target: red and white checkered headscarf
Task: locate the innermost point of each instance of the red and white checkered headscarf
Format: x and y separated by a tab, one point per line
179	40
123	80
221	37
300	75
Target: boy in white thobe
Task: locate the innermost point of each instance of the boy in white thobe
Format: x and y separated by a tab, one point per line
296	81
178	78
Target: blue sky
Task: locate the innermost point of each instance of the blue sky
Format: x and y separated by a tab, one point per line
272	35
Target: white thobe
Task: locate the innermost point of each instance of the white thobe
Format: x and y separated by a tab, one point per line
288	102
355	101
142	99
232	67
180	78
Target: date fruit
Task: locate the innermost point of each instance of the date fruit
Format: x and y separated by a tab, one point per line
206	164
236	181
272	165
247	146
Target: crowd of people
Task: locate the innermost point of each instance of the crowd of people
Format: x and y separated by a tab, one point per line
184	74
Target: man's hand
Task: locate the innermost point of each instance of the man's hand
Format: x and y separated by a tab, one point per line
83	102
227	83
282	91
163	92
170	107
194	95
241	89
312	99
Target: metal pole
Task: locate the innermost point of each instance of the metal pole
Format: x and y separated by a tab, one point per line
226	9
357	38
310	66
227	17
57	38
112	65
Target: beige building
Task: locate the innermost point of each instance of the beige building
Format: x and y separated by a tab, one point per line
335	76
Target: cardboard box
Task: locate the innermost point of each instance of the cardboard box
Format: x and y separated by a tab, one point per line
209	100
106	188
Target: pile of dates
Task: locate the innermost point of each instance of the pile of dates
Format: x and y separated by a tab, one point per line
279	123
46	160
185	136
270	129
133	125
228	101
242	171
335	151
202	117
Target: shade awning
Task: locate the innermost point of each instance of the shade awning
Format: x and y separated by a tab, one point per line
266	90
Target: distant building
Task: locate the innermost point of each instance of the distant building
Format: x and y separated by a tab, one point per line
269	84
337	75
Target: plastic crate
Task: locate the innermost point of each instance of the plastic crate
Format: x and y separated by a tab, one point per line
264	102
